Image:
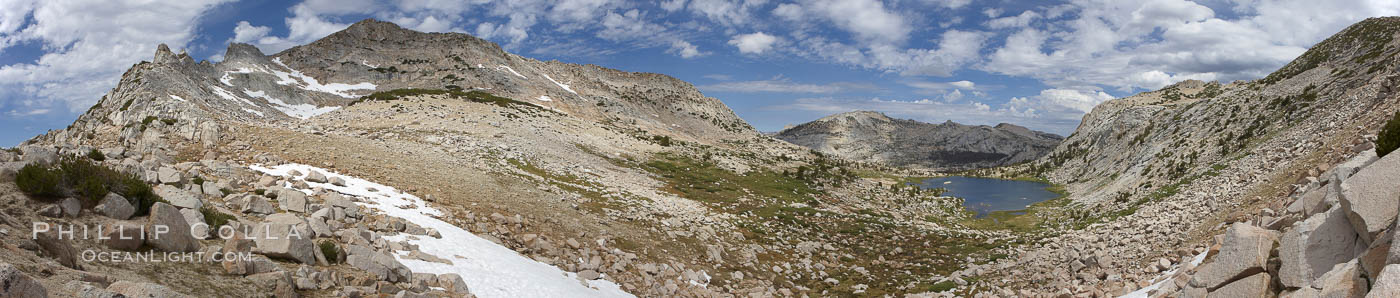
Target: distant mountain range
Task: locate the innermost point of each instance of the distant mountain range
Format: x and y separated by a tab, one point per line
875	137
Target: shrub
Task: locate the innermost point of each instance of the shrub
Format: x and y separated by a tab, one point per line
148	119
330	250
96	155
39	181
664	141
214	218
1389	138
86	179
92	189
140	195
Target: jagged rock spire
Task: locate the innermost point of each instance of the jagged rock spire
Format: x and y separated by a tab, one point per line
164	55
243	52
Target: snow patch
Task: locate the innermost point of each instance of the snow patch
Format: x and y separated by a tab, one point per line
565	87
489	269
300	111
366	63
227	80
1166	277
177	98
255	112
512	70
545	98
229	95
296	78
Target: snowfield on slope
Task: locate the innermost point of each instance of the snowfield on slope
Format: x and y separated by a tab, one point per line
489	269
300	111
1166	277
309	83
561	86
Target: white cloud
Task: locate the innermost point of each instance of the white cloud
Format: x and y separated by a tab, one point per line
790	12
727	13
718	77
245	32
1063	102
954	4
868	20
685	49
753	43
1147	44
87	45
672	5
18	113
956	49
1018	21
782	85
942	86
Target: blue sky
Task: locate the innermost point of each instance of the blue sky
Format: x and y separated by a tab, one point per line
1041	64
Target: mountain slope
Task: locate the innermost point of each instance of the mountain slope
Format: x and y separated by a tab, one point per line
874	137
1152	177
621	181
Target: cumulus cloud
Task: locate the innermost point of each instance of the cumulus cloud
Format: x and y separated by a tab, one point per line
783	85
685	49
1018	21
87	45
955	50
754	43
1147	44
868	20
942	86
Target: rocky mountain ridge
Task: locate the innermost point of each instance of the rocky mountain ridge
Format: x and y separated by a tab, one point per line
873	137
1182	191
597	181
381	143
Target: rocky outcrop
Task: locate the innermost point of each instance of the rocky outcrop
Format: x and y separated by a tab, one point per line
1370	197
285	236
874	137
18	284
1245	252
115	207
145	290
167	230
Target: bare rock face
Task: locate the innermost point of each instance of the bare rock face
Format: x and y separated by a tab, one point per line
142	289
71	207
167	230
123	236
1313	246
17	284
380	264
258	205
453	283
285	236
291	200
58	248
196	219
1387	284
1254	286
874	137
115	207
316	176
1344	280
1369	197
179	197
1245	251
